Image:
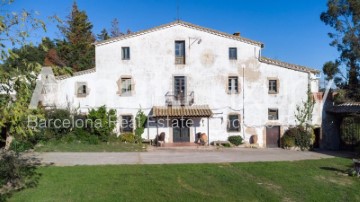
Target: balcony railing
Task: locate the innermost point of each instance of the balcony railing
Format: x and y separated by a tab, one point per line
180	99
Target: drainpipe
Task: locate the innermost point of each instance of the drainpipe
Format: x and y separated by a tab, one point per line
243	110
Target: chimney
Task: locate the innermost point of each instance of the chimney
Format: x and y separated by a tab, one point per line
236	34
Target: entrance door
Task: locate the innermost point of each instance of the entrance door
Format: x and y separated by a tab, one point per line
180	88
273	137
181	132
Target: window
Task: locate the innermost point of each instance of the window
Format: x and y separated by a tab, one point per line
179	86
127	124
233	85
179	52
233	53
126	86
273	114
273	86
125	52
81	89
233	123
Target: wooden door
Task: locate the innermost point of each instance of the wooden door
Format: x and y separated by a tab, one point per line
273	137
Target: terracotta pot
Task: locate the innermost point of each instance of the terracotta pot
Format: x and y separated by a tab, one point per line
254	139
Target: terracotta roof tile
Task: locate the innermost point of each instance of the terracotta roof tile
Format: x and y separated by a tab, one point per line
345	108
185	24
88	71
288	65
182	111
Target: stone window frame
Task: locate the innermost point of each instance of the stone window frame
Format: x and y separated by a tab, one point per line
121	123
275	110
230	130
232	57
120	83
228	87
81	84
277	85
123	55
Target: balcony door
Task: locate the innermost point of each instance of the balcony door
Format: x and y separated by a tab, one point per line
180	88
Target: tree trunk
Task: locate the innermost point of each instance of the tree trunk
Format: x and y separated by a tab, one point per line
9	140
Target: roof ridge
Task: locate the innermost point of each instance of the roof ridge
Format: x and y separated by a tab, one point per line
287	65
183	23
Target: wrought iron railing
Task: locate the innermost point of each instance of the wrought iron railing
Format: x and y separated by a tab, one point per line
179	99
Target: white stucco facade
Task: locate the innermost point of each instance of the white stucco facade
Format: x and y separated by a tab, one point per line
207	69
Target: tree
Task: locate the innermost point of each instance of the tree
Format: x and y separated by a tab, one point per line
28	53
344	17
140	121
14	107
103	35
77	49
115	30
331	69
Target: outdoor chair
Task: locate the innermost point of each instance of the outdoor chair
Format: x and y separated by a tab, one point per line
160	139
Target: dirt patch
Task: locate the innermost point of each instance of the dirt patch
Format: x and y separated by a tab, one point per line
190	188
341	180
250	69
208	58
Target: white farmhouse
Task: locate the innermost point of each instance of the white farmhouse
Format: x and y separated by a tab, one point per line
180	71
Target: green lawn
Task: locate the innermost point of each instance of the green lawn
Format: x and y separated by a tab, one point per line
313	180
83	147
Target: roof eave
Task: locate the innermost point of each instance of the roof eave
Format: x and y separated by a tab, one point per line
186	24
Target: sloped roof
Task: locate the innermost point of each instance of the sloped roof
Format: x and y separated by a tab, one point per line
345	108
182	111
288	65
185	24
88	71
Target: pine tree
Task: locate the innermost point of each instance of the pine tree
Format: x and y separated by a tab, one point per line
344	17
77	49
115	30
103	35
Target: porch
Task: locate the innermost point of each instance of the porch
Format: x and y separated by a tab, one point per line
181	123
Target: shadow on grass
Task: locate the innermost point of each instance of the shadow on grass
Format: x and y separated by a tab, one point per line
341	154
17	172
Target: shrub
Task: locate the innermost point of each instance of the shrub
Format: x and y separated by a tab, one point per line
69	138
235	140
303	138
20	145
287	140
127	137
57	114
92	139
114	138
104	122
16	172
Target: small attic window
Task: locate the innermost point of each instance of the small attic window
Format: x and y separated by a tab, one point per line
81	89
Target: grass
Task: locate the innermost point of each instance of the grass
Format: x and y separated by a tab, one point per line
312	180
84	147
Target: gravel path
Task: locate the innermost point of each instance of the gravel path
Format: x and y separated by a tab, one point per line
177	156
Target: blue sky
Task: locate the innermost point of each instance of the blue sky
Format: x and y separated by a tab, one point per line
290	29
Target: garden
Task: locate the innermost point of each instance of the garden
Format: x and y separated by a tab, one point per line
84	138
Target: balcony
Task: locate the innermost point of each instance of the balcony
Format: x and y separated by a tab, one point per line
179	99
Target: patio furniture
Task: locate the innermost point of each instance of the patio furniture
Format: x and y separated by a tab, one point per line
160	140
